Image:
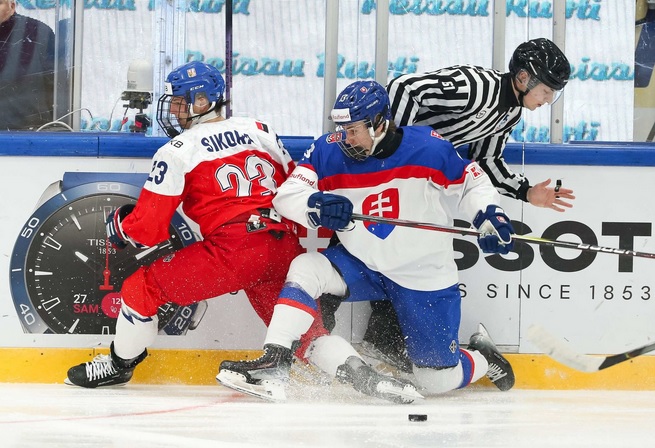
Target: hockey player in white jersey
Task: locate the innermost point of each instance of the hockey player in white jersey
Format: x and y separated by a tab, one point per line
371	167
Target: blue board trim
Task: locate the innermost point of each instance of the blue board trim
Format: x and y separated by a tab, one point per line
134	145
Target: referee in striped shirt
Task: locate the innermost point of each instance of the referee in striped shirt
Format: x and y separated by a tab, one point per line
479	107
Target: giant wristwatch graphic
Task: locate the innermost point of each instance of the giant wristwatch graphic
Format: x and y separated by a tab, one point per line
66	278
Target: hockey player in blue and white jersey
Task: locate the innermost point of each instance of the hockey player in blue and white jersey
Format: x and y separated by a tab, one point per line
478	107
371	167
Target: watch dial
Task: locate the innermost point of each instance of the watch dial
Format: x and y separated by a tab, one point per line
73	276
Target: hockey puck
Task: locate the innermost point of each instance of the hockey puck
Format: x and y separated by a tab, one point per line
417	417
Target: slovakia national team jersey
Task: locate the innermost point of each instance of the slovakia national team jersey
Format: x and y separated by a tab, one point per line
217	170
411	184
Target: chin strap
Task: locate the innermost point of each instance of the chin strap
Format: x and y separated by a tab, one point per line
532	83
209	115
377	140
521	94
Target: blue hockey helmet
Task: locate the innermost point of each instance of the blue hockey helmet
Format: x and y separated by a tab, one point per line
361	100
365	101
188	81
193	78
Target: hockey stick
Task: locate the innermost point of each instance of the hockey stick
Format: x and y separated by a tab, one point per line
524	238
561	352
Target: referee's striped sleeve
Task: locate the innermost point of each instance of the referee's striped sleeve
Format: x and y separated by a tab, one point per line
462	103
403	105
488	152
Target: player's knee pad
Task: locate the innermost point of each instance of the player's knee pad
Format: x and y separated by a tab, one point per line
315	275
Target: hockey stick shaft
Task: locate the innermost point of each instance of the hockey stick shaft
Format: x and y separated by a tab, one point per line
417	225
561	352
524	238
615	359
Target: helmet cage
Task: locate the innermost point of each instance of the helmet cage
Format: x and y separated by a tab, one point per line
365	102
168	121
358	153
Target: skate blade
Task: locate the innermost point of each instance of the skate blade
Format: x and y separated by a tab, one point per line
269	390
70	383
406	395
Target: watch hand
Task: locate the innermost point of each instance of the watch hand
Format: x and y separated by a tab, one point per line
88	261
143	253
106	273
138	256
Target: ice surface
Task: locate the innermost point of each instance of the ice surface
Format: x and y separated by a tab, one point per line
39	415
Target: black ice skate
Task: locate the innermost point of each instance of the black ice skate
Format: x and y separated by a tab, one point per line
500	371
104	370
367	380
265	377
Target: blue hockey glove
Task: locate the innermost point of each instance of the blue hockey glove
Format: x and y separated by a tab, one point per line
114	223
496	230
329	210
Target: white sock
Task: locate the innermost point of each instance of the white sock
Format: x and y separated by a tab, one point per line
134	333
287	325
480	363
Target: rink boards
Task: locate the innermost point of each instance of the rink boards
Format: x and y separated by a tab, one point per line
598	304
199	367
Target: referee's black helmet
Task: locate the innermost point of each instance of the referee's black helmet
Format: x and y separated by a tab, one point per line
543	60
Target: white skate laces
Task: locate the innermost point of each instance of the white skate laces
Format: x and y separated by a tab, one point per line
101	367
495	372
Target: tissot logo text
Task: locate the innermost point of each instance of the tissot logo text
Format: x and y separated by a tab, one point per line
622	235
93	242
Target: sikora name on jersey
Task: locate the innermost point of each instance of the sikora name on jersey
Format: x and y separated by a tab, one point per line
225	140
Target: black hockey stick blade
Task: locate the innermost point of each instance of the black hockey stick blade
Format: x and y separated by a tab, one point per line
561	352
525	238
